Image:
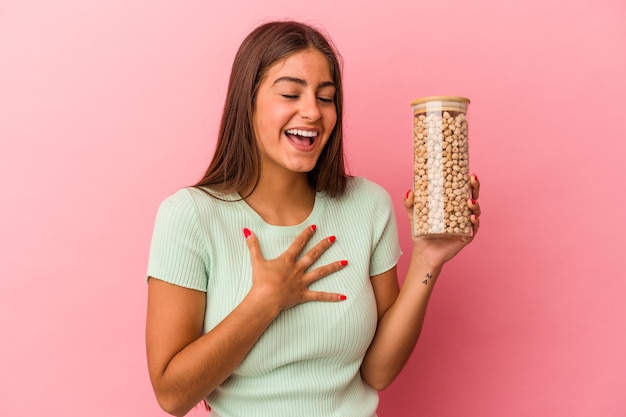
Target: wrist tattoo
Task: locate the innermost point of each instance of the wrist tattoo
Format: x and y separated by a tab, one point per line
428	276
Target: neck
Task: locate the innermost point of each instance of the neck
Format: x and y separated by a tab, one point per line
282	200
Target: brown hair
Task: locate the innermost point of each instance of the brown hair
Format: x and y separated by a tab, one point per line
236	162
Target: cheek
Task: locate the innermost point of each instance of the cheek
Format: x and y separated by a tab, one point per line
330	120
275	118
264	124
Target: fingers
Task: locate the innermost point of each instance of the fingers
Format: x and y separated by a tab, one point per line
408	199
325	270
474	206
289	271
253	245
316	252
473	203
324	296
296	247
475	184
408	204
319	273
475	223
293	250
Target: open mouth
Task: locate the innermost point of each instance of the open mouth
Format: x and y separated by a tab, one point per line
301	138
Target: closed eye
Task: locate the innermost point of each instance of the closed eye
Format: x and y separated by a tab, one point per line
326	100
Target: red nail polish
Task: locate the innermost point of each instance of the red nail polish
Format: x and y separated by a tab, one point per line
473	201
246	232
331	239
407	194
313	227
475	177
342	297
343	263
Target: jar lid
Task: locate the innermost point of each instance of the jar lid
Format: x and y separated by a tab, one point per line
440	98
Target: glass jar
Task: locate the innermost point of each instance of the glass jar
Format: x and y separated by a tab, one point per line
441	166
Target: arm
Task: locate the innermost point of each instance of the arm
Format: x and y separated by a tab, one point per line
184	365
401	312
399	326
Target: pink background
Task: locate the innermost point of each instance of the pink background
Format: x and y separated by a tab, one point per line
108	106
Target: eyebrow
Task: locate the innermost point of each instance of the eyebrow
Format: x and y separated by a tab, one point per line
302	82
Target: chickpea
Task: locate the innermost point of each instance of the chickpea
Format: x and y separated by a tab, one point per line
441	168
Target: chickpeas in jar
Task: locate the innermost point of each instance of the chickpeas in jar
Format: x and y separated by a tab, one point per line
441	183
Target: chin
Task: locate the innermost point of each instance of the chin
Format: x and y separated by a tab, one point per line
303	168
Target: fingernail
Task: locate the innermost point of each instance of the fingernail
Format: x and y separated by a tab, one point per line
331	239
246	232
343	263
407	194
342	297
472	201
475	177
313	227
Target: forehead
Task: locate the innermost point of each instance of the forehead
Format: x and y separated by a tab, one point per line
307	64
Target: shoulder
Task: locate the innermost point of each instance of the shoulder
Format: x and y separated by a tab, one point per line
177	199
180	203
201	209
363	196
361	187
176	212
189	198
183	205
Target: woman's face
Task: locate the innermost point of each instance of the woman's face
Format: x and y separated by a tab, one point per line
294	113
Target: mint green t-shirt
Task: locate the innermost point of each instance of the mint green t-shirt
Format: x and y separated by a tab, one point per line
307	361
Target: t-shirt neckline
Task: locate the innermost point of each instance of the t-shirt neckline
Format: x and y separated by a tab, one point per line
258	225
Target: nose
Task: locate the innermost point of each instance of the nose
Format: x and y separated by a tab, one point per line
309	108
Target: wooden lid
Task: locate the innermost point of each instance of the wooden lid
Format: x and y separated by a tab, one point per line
457	99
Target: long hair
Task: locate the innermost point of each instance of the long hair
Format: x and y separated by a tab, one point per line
236	162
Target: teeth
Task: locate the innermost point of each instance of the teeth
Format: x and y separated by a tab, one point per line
305	133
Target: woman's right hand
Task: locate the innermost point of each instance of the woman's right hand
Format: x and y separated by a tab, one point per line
285	280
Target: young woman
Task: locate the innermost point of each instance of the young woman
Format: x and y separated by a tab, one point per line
272	286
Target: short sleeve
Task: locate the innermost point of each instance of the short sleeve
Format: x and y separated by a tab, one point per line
386	246
177	251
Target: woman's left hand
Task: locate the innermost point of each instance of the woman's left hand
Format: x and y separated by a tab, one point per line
435	251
